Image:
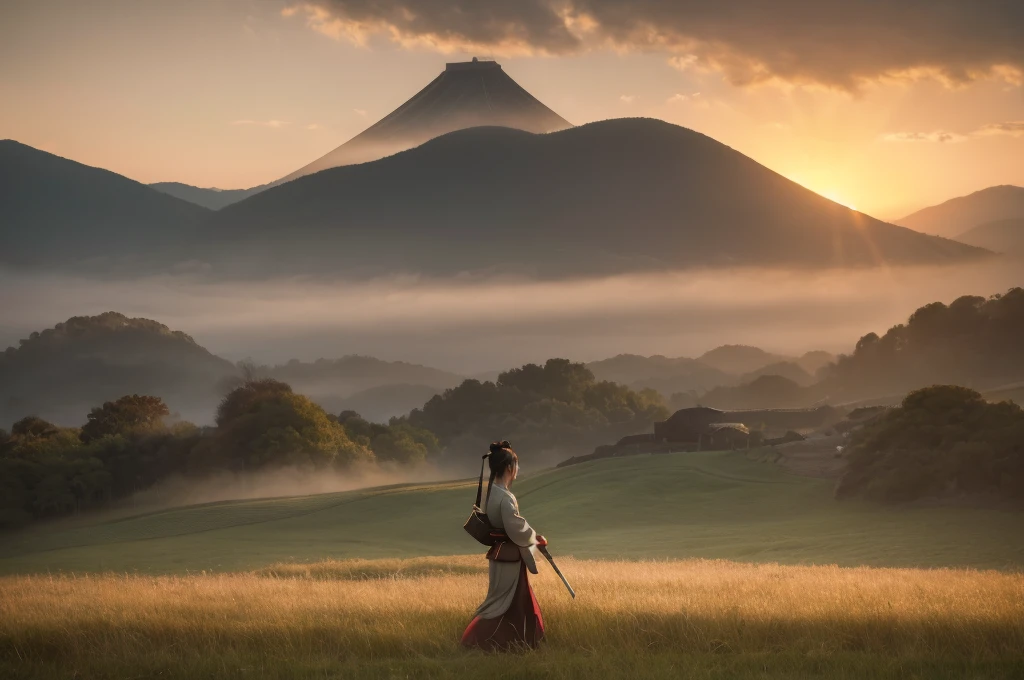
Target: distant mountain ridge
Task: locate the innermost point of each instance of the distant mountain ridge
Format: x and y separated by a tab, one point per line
1000	236
959	215
724	366
666	375
609	197
739	359
210	198
354	382
57	210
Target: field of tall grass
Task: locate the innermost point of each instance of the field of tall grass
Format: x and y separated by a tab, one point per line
397	618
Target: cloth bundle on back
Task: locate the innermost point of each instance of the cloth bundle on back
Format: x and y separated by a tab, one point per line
509	615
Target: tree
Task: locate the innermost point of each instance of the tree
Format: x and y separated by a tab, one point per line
126	415
942	440
973	341
33	427
242	399
263	424
556	408
33	437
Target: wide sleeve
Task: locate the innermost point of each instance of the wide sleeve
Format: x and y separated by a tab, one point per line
517	528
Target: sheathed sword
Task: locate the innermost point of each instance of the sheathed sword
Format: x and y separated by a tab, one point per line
544	551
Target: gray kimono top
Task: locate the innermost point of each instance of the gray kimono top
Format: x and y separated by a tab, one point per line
503	577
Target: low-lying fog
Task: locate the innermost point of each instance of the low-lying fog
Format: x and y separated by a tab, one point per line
472	325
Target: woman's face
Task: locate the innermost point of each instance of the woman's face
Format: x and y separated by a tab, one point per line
515	471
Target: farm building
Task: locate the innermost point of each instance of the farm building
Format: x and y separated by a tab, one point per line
693	425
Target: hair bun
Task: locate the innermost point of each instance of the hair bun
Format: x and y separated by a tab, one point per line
498	446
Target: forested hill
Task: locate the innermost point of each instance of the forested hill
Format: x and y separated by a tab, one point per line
974	341
62	372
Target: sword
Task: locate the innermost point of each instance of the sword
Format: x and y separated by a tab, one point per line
544	551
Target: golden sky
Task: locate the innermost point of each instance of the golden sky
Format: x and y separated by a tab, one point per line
886	107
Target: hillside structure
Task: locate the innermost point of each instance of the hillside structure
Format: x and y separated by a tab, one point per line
694	425
709	429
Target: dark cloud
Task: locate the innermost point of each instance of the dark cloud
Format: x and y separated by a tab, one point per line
532	24
838	43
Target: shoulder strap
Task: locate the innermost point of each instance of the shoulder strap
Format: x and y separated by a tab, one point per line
480	486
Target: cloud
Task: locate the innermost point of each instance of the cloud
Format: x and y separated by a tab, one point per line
941	136
520	27
627	98
262	123
314	126
835	43
360	112
679	98
1013	128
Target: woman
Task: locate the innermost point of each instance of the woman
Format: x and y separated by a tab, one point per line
509	616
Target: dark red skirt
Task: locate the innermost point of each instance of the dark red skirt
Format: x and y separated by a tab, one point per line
521	626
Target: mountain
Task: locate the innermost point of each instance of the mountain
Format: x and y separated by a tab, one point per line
739	359
789	370
764	392
466	94
54	211
380	404
614	196
63	372
1000	236
213	199
814	360
666	375
959	215
368	385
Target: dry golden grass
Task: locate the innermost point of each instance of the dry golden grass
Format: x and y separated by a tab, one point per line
403	618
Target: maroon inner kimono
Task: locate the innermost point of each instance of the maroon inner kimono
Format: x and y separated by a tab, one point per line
520	626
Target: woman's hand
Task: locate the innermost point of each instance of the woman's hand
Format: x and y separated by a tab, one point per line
541	540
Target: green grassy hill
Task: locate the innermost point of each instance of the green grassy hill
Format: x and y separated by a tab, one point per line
713	505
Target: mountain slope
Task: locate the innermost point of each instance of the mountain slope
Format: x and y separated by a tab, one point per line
54	210
619	195
466	94
64	371
958	215
212	199
1000	236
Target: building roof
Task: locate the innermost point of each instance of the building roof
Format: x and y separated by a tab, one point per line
740	427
